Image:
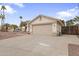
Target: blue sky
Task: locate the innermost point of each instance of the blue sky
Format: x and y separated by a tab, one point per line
29	11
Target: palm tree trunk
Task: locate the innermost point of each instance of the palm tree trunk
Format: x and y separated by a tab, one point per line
25	28
3	16
2	21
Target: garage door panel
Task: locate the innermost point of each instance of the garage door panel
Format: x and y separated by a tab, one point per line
42	29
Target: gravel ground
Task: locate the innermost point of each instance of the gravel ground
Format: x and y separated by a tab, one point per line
37	45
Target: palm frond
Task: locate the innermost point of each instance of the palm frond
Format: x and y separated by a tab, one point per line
3	7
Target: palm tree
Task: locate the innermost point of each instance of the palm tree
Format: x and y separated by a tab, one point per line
21	21
20	17
2	17
3	8
1	22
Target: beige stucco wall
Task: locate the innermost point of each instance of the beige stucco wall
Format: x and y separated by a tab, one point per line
58	28
55	26
43	21
30	29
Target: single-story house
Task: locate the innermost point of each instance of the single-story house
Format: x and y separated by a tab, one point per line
45	25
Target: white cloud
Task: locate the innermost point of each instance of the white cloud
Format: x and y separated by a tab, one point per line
68	14
19	4
64	14
9	9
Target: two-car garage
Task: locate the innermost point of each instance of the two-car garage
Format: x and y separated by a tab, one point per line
42	29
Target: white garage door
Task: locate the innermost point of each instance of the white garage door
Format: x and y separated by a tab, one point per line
42	29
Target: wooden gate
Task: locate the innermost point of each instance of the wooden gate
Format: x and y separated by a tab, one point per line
73	30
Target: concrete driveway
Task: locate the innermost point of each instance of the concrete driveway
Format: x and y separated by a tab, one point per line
35	45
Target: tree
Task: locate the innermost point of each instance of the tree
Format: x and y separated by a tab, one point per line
76	19
2	16
23	24
6	26
20	17
70	22
21	21
73	21
14	26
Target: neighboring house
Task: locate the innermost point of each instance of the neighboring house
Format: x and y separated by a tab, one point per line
45	25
